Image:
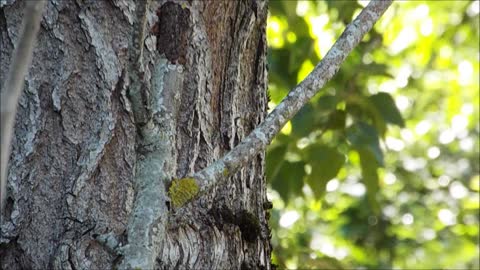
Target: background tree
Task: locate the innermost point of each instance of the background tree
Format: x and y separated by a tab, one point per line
420	209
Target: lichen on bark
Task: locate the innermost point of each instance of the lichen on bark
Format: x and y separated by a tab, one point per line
182	190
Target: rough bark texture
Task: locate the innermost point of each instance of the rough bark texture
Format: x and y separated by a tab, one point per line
12	87
76	150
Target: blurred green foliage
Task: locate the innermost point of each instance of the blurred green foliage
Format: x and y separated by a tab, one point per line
380	170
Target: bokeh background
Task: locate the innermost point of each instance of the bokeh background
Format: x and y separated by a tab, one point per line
380	170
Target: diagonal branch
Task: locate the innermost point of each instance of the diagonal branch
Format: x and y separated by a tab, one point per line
13	86
258	140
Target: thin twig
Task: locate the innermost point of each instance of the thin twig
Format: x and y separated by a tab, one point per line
13	86
262	136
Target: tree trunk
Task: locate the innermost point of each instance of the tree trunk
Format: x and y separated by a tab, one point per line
76	149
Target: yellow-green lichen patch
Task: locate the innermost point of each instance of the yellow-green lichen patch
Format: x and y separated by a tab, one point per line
182	190
225	172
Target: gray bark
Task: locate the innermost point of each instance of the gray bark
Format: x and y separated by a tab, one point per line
13	85
81	151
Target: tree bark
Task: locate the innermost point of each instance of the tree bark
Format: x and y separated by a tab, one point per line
78	146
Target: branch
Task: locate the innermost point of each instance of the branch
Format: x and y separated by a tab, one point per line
136	91
146	229
13	86
258	140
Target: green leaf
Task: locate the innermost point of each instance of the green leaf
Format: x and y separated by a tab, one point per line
327	103
289	179
358	106
345	8
274	159
302	123
337	120
303	49
289	8
277	8
364	139
300	25
375	69
364	136
278	59
369	166
387	108
326	162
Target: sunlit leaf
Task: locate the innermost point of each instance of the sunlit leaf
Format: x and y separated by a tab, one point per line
475	183
305	69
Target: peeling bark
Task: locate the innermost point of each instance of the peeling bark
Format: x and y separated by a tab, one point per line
79	151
